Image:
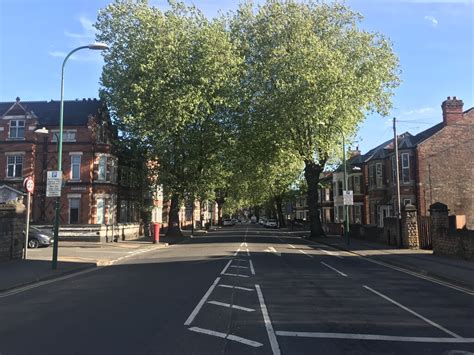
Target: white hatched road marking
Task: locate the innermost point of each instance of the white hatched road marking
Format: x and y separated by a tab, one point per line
413	312
272	250
252	270
374	337
237	252
226	267
332	268
240	259
252	343
201	302
268	323
237	275
303	252
290	245
240	266
228	305
329	253
236	287
248	252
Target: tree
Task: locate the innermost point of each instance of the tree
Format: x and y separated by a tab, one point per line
169	78
311	74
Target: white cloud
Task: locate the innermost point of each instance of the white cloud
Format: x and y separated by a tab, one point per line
432	19
421	112
88	31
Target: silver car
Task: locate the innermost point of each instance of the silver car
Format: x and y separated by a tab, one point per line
39	238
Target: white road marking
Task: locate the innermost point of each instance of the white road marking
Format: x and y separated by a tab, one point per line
240	266
47	282
237	275
226	267
252	343
236	252
291	245
268	323
201	302
413	312
245	243
228	305
236	287
374	337
332	268
332	254
242	244
272	250
303	252
248	252
252	270
240	259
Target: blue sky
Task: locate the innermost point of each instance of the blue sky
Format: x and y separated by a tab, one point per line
433	39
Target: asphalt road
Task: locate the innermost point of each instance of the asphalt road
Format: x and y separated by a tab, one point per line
240	290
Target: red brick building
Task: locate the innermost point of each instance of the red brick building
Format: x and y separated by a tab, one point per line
90	163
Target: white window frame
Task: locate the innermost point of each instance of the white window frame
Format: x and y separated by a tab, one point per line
75	155
15	163
66	135
379	175
16	129
357	188
405	168
102	168
100	206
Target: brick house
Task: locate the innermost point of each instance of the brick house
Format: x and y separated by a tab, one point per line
89	195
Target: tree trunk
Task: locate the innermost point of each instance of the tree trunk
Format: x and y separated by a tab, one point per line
312	171
220	205
279	209
173	222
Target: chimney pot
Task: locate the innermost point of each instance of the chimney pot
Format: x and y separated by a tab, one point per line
452	110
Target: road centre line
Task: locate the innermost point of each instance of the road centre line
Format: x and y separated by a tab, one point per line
201	302
237	275
228	305
236	287
255	344
332	268
226	267
413	312
374	337
303	252
252	270
268	324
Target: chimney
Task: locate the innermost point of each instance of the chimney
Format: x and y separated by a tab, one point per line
452	110
354	153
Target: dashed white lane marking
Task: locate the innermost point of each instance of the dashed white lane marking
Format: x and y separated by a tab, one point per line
240	266
332	268
252	270
237	275
228	305
226	267
374	337
201	302
268	323
236	287
413	312
232	337
305	253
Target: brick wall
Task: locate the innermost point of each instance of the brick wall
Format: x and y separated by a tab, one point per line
12	223
458	243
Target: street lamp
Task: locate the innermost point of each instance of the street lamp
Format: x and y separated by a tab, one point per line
346	207
93	46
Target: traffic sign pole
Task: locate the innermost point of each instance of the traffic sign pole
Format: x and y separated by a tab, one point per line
29	184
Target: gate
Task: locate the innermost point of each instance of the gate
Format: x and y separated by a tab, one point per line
424	232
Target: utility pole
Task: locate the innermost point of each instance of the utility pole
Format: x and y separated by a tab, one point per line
399	211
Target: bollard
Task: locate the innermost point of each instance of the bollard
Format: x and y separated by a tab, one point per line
156	233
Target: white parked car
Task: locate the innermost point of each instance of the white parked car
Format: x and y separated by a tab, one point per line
271	223
227	222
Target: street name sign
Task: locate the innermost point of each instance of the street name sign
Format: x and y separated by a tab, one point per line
53	183
348	198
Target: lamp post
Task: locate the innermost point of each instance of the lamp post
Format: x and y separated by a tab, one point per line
346	207
93	46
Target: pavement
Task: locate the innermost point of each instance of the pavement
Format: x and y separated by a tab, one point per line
73	257
240	290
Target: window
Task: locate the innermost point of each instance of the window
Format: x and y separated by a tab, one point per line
102	171
379	174
17	129
340	213
339	188
371	175
113	170
327	196
74	205
68	136
75	167
406	201
358	214
100	211
357	184
406	167
14	166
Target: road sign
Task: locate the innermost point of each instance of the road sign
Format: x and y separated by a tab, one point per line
53	184
29	184
348	198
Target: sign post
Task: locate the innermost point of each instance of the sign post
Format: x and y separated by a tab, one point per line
29	185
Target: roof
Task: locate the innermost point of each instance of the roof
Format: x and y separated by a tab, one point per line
76	113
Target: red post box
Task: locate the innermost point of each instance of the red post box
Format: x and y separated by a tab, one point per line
156	233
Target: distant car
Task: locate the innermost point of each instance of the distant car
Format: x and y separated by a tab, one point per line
262	221
227	222
271	223
253	219
39	238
